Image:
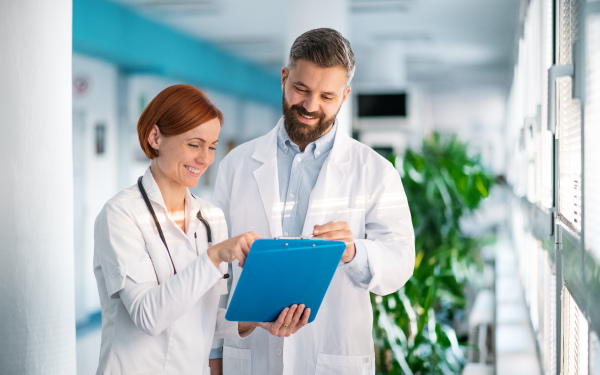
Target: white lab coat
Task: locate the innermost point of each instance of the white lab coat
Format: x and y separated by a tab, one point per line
355	185
173	335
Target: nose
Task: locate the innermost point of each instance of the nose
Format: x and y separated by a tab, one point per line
311	103
205	156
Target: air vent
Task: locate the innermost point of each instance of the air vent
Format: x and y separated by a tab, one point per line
362	6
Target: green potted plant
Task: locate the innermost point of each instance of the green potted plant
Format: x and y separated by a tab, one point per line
413	329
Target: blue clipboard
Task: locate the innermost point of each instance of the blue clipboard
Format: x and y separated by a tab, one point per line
281	272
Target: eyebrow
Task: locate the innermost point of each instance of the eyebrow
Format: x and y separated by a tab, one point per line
299	83
202	140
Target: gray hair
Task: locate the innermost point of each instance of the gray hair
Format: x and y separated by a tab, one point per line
325	48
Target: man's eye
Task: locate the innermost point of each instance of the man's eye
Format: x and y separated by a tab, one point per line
212	148
299	89
327	98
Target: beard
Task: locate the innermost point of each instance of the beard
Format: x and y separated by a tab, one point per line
299	132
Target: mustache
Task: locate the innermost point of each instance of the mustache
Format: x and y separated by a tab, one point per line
302	111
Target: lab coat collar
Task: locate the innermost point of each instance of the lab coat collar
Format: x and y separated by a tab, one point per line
152	189
267	180
267	146
333	176
266	149
192	203
316	148
327	186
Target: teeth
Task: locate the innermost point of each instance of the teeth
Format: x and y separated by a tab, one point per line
309	117
192	170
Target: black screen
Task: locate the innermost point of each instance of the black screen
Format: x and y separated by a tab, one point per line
380	105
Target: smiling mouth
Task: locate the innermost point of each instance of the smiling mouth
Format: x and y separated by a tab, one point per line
192	169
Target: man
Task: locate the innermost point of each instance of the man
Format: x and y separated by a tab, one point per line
308	177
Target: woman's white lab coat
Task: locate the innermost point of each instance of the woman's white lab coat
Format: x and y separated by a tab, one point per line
355	185
170	330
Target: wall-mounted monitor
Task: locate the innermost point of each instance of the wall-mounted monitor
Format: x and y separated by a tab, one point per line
382	105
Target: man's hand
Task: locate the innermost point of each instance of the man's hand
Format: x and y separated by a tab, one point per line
289	321
337	231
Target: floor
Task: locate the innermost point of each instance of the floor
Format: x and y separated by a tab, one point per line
516	352
88	350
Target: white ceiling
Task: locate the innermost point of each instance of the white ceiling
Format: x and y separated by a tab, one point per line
447	43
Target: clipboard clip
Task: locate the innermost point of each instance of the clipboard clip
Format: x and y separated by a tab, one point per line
311	237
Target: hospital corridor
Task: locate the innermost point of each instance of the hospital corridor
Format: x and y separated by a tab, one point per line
480	117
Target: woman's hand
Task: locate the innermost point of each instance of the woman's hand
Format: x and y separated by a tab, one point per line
234	248
289	321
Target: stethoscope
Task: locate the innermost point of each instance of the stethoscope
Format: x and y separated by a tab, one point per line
158	227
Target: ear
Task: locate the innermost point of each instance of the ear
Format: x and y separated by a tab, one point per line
154	137
284	74
346	92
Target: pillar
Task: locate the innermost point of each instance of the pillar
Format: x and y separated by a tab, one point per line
37	321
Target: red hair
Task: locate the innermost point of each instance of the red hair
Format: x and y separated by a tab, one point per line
175	110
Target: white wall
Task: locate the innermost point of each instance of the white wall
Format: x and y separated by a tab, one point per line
139	91
95	175
477	116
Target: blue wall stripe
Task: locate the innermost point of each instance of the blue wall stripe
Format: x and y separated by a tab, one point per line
93	323
114	33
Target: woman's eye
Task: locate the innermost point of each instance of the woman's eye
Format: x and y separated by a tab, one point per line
192	145
212	148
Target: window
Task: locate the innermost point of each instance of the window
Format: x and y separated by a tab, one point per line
574	337
568	124
592	136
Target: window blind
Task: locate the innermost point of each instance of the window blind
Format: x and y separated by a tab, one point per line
574	337
568	133
568	129
547	337
592	136
546	139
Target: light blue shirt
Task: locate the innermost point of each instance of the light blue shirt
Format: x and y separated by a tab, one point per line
298	172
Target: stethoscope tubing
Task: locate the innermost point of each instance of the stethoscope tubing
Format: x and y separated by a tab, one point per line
159	228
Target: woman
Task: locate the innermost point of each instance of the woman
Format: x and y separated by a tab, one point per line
158	276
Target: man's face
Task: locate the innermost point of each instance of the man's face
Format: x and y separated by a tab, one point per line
312	98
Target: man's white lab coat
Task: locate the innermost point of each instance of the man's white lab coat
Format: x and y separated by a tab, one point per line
355	185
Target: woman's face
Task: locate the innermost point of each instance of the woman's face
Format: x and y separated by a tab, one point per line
183	158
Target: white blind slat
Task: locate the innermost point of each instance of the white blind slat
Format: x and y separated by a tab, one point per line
592	136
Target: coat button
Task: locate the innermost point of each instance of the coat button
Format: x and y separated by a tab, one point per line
279	351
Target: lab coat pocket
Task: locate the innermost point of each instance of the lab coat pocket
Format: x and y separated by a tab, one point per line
236	361
328	364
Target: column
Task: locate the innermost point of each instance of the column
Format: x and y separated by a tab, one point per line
37	321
